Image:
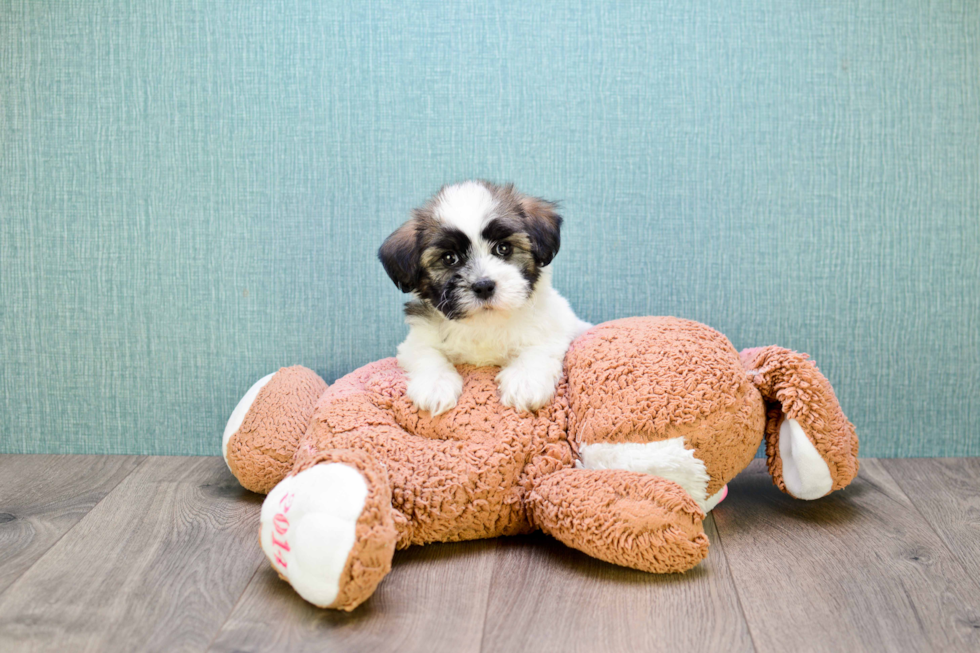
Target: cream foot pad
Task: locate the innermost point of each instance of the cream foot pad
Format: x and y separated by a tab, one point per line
308	524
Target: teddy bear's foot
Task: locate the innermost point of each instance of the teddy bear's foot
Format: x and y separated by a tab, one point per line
328	530
241	409
627	518
309	527
263	432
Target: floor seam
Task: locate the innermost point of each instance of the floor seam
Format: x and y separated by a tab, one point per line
234	607
738	594
486	607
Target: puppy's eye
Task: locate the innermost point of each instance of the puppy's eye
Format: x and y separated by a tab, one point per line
450	259
502	250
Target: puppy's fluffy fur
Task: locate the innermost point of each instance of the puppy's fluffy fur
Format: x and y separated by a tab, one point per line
476	259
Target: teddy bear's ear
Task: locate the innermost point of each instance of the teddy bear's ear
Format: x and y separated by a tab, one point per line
811	447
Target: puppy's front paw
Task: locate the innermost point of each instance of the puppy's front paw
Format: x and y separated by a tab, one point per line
526	388
435	391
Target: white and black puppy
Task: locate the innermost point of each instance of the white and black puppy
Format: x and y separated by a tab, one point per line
476	258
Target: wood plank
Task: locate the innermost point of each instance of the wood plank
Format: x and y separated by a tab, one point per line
859	570
547	597
42	497
156	566
946	492
433	600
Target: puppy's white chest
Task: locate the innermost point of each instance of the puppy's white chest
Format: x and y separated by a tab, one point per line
476	347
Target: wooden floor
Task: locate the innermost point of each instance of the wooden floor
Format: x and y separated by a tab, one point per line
116	553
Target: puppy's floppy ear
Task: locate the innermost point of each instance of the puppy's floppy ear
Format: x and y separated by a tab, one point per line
543	226
400	255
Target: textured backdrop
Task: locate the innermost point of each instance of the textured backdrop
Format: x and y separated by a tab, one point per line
192	193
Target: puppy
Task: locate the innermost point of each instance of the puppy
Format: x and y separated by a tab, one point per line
476	259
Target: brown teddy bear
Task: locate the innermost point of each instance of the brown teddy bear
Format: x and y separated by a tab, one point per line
650	421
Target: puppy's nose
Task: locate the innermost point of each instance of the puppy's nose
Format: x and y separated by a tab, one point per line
484	288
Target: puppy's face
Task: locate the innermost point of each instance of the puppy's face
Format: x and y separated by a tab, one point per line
473	247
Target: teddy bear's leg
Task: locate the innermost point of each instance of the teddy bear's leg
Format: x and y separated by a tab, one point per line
811	447
669	459
265	429
442	490
327	528
627	518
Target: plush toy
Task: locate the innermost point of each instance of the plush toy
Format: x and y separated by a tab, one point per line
650	421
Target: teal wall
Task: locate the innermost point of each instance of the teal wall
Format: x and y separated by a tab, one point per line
192	192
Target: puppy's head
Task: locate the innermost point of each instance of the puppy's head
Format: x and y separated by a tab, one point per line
473	247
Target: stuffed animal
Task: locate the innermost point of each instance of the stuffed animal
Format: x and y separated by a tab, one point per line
650	421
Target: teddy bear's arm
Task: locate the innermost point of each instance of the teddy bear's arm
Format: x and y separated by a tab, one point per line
626	518
811	447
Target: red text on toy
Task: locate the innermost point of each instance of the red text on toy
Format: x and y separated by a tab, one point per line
280	525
